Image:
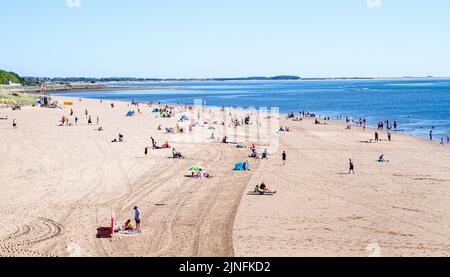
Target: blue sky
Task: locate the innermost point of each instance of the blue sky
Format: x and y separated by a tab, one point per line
225	38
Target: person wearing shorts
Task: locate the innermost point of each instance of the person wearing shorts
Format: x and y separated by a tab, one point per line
137	218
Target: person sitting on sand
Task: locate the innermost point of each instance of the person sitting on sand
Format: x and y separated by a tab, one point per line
262	189
166	145
128	226
381	159
159	128
265	154
176	155
225	139
120	137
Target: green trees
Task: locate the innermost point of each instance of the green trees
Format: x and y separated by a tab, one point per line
6	77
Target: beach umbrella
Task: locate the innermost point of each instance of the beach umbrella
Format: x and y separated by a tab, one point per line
197	168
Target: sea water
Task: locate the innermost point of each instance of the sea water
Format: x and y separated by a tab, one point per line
419	105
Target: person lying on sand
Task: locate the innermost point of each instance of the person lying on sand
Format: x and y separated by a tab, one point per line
262	189
166	145
4	118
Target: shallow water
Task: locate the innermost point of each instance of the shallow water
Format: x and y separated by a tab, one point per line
417	105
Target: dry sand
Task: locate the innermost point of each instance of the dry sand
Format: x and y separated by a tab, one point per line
60	184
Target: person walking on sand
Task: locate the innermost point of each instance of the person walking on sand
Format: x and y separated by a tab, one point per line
431	135
14	123
137	218
351	167
377	137
442	142
98	120
389	134
76	120
284	157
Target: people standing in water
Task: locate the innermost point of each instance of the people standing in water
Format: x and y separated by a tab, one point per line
448	139
351	167
442	142
431	135
284	157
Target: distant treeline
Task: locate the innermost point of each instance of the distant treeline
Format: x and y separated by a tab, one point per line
127	79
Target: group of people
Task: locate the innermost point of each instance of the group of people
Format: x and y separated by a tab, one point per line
120	139
128	226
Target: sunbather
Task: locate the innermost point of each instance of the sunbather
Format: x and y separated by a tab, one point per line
262	189
166	145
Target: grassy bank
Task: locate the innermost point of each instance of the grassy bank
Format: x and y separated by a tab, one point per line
22	99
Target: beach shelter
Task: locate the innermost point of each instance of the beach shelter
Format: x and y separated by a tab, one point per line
130	113
197	168
184	118
156	110
240	166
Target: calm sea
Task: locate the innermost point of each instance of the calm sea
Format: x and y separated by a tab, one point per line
418	105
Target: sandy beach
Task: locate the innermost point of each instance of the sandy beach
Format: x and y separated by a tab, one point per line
60	185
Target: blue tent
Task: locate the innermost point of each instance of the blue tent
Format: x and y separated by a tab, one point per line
156	110
240	166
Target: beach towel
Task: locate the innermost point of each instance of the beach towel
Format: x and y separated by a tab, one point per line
131	232
261	194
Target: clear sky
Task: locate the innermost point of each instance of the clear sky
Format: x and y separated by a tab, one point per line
225	38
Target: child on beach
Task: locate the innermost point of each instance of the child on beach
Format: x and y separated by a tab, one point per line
351	167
